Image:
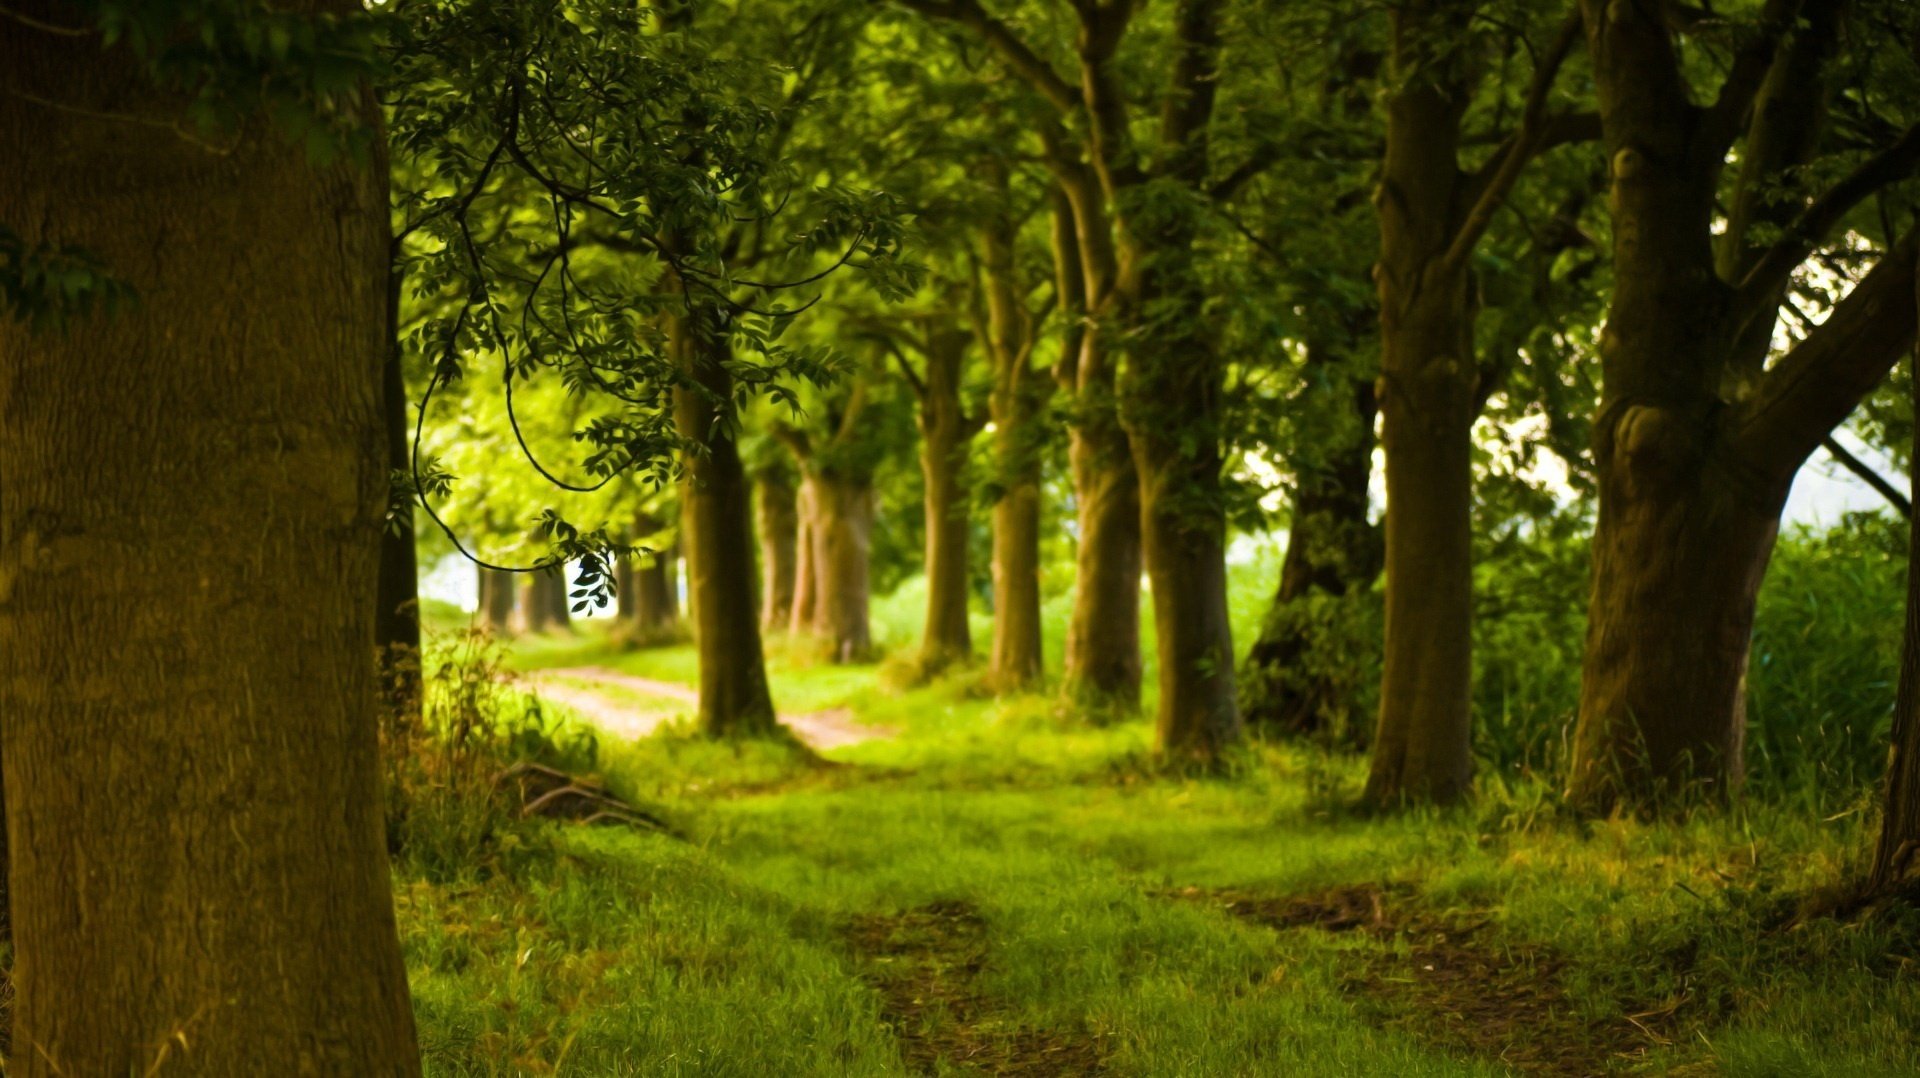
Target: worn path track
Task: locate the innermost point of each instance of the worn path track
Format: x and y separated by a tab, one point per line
643	705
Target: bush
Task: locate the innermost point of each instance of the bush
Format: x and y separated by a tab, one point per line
448	813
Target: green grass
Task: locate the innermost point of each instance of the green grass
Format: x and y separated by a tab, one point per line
600	952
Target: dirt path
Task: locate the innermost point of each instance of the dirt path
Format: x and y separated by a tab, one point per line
582	688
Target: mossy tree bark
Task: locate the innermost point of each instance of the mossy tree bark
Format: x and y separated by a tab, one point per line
191	547
1697	447
717	534
779	528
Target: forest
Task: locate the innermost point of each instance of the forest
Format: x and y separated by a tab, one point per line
950	537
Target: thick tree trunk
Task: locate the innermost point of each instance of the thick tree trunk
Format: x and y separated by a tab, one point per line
779	520
1173	418
543	601
1422	745
188	552
1678	555
842	530
717	533
806	574
1289	684
1186	557
496	609
946	431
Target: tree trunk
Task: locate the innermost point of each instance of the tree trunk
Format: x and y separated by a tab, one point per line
1422	745
1422	748
1102	652
806	575
946	431
1678	555
396	632
1017	406
842	533
1290	683
1173	417
496	610
624	585
1103	628
656	592
1898	851
717	533
779	535
543	601
191	544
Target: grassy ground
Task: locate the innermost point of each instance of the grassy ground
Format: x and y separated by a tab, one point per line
1000	889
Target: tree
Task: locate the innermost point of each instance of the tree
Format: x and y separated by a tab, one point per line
1018	407
947	430
836	461
1697	443
197	593
601	179
1433	213
1897	853
779	529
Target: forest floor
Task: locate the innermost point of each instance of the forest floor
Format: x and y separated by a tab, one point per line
955	885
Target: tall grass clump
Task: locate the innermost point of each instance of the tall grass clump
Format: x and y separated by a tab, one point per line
449	812
1826	649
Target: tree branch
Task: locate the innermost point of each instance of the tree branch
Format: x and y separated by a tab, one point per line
1014	52
1770	273
1867	475
1813	387
1723	119
1526	142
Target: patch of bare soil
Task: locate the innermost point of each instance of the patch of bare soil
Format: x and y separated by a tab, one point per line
925	963
1458	987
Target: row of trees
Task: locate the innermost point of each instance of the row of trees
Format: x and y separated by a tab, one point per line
1173	208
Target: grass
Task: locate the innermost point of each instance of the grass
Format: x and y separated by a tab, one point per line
1002	889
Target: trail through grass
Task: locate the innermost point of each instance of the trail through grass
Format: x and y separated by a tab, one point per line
998	888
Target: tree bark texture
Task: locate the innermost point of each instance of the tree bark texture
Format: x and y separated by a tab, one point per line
189	547
774	502
717	533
